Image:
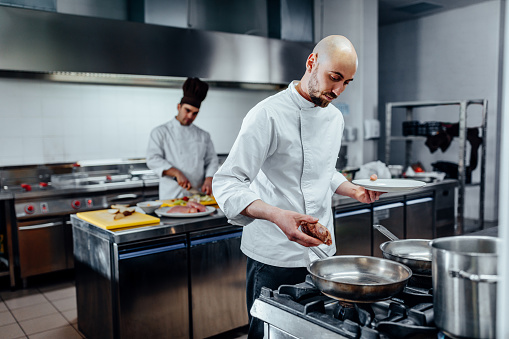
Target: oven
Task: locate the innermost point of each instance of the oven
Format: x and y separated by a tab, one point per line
45	196
43	229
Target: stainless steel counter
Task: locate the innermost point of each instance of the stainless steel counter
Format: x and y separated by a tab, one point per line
176	226
167	227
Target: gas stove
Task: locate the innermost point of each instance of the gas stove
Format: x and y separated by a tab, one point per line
302	311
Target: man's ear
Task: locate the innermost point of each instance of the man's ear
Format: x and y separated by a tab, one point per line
178	107
311	62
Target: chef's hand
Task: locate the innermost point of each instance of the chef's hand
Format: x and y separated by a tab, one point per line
179	176
207	186
287	221
358	193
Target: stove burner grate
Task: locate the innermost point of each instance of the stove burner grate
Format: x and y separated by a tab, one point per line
407	315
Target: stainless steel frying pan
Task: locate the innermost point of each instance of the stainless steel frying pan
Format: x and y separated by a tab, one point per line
357	278
414	253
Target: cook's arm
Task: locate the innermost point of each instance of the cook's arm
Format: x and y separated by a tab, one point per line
358	193
287	221
211	166
156	159
231	182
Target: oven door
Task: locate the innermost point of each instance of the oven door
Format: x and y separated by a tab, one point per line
42	247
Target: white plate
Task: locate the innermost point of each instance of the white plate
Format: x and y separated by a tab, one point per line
161	212
389	185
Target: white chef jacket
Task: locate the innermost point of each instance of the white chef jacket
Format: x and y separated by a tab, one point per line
187	148
285	154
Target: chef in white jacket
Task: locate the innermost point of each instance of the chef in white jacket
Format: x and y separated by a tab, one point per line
180	153
281	172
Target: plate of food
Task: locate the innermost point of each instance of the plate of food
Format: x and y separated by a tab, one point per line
205	200
190	210
389	185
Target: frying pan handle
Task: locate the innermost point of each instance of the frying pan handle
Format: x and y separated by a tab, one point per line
319	252
386	232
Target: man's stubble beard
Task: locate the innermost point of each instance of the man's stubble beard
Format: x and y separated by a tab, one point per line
314	92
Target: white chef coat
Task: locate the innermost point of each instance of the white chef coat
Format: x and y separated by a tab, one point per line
285	154
187	148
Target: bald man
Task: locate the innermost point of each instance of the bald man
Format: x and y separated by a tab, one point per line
281	172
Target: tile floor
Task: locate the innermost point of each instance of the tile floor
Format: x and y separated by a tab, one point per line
47	309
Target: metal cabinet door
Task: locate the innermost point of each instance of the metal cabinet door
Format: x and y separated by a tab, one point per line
218	282
41	246
352	230
391	216
153	290
419	218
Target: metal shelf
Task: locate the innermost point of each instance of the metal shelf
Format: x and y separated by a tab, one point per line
462	119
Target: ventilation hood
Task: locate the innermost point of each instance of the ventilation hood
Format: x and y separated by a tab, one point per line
63	47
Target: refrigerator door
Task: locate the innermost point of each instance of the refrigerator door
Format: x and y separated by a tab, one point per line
218	282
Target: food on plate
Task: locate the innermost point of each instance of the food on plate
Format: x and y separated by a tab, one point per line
182	209
120	211
183	201
190	207
196	205
317	231
373	177
201	198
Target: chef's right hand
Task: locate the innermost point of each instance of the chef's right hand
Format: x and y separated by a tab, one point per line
289	222
179	176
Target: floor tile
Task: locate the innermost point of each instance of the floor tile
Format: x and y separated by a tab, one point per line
71	316
65	304
44	323
11	331
66	332
8	294
61	293
56	287
2	306
6	318
78	330
24	301
35	311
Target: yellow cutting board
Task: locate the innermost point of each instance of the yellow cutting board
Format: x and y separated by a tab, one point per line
104	219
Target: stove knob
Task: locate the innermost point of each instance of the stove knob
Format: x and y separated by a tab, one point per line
26	187
76	204
29	209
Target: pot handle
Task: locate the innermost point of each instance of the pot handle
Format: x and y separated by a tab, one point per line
319	252
385	232
480	278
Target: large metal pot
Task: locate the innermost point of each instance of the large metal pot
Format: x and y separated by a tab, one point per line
464	280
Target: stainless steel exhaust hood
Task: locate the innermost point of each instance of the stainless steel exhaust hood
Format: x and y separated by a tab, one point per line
64	47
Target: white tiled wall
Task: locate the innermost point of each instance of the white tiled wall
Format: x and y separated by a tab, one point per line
48	122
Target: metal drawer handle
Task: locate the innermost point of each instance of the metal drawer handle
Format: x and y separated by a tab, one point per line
46	225
481	278
125	196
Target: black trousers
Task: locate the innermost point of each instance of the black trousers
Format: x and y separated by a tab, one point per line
260	275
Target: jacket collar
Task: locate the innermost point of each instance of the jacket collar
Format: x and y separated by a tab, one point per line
299	99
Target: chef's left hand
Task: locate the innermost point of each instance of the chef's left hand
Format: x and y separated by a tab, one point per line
207	186
358	193
366	196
